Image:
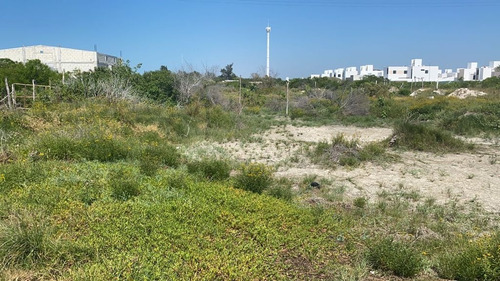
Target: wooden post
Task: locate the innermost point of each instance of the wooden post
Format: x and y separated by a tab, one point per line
9	102
287	82
13	95
33	82
239	98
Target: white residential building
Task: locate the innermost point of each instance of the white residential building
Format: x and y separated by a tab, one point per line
366	70
416	72
447	76
327	73
397	73
486	72
470	73
339	73
60	59
350	73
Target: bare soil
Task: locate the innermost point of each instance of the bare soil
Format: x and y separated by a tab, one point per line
466	177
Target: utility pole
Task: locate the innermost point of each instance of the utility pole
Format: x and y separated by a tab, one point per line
239	97
268	30
287	97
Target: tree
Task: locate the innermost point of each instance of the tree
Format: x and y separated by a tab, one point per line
158	85
188	82
227	72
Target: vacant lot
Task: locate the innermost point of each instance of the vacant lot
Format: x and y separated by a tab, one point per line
468	177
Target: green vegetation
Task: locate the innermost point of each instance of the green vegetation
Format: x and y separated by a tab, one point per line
425	138
254	177
401	259
98	181
344	152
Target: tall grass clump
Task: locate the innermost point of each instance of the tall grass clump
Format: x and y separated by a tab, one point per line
421	137
254	177
24	240
93	146
124	183
395	256
211	169
18	173
477	259
345	152
155	155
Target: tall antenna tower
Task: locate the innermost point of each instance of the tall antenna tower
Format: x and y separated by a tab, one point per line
268	30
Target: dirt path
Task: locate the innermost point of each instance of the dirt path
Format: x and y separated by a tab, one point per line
466	177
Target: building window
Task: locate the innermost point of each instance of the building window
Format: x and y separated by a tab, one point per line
427	72
406	72
41	51
394	72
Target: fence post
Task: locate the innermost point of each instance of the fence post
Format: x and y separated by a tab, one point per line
33	82
13	95
9	103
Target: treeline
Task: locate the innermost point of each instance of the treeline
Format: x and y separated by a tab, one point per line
211	86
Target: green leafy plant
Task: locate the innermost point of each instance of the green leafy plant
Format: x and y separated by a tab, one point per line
426	138
395	256
124	184
211	169
254	177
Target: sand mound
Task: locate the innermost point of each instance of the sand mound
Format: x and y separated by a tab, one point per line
464	93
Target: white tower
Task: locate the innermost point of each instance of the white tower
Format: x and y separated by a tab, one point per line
268	30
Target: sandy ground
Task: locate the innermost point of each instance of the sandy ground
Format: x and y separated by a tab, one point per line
466	177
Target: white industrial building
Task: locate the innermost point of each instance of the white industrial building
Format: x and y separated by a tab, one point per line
61	59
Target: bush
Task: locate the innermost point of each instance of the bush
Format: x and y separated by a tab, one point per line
394	256
297	113
473	260
211	169
18	173
100	147
341	151
254	177
281	192
124	184
424	138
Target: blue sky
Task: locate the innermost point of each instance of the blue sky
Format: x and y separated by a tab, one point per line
307	36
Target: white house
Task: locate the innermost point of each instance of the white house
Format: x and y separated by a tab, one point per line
470	73
339	73
366	70
397	73
350	72
327	73
486	72
60	59
420	72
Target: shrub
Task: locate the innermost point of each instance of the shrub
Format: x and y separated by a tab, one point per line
160	154
211	169
395	256
281	192
124	184
100	147
254	177
341	151
360	202
424	138
472	260
18	173
297	113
